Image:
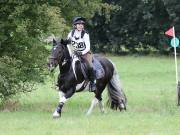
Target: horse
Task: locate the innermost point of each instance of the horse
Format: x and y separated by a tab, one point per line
72	74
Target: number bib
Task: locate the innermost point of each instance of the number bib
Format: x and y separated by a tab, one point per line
78	44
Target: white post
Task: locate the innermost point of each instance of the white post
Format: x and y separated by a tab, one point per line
174	42
177	85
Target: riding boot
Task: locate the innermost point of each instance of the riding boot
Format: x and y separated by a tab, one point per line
92	80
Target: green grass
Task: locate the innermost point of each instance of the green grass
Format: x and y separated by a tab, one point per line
149	83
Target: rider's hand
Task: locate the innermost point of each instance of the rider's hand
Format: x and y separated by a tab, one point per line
78	53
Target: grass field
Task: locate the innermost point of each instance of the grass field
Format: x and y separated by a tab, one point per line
149	83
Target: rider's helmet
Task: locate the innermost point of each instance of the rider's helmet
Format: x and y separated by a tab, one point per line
79	20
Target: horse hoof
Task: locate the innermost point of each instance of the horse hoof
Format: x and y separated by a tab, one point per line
56	115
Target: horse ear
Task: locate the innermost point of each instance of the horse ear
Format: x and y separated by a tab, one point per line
54	42
62	41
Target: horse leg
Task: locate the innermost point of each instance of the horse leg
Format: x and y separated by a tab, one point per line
63	98
100	88
93	104
101	106
97	98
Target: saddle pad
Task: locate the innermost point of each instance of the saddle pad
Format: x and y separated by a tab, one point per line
99	70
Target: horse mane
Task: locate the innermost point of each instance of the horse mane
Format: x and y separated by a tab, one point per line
65	58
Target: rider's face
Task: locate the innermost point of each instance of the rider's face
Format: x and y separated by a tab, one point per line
80	27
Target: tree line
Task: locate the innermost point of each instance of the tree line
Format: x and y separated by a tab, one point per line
138	26
115	26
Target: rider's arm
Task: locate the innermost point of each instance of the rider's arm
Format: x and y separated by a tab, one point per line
87	43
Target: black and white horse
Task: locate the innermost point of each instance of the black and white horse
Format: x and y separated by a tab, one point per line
72	74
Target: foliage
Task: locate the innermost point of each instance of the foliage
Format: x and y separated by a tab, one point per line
23	27
22	55
115	26
84	8
139	25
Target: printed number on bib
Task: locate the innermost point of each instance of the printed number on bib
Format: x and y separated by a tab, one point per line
79	46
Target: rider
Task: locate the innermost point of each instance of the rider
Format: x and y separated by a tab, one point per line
80	42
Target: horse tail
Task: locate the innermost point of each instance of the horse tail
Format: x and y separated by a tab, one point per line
117	98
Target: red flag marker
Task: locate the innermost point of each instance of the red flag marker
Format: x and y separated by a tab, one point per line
170	32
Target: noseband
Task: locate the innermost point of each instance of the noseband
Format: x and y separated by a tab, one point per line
51	57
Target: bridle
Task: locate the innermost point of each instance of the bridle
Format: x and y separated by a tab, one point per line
55	58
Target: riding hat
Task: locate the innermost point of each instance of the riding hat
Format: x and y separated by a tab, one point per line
79	20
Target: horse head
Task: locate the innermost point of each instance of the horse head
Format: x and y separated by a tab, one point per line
56	55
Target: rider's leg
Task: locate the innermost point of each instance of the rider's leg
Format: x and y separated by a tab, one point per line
88	56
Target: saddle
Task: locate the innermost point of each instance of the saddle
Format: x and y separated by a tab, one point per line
97	67
99	70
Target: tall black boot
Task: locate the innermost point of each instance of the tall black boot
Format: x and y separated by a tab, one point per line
92	79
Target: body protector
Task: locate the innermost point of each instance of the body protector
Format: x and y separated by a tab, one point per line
80	42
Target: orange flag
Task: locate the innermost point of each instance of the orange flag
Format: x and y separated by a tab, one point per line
170	32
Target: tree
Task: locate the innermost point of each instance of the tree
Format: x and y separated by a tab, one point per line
139	25
23	26
22	54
